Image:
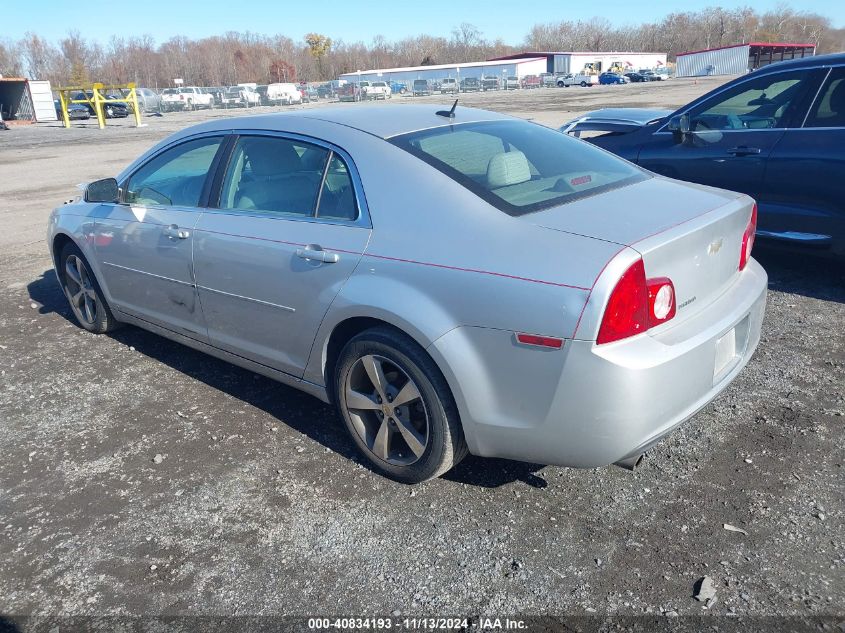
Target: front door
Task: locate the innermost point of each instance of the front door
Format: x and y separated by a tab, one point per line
289	231
144	244
731	134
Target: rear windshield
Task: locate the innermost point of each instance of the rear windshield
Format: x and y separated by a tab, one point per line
519	167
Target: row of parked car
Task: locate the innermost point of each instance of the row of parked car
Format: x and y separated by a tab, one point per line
366	90
240	96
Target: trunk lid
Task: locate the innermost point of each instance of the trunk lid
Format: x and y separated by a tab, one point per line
689	233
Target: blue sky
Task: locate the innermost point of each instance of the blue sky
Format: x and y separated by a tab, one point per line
340	19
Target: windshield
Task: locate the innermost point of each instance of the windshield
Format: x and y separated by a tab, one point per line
519	167
233	91
169	91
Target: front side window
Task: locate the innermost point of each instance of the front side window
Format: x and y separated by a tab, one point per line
175	177
829	108
519	167
763	102
277	175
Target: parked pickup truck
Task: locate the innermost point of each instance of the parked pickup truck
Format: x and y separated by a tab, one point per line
192	98
279	94
349	92
531	81
449	85
421	88
170	100
490	83
377	90
577	80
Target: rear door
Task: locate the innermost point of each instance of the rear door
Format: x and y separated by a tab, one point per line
732	133
144	244
289	229
803	197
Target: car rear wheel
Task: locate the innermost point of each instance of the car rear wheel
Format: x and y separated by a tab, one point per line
397	406
83	292
583	84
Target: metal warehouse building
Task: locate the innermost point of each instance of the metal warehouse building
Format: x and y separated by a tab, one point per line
516	68
739	58
575	62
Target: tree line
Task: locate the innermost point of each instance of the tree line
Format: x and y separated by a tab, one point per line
240	57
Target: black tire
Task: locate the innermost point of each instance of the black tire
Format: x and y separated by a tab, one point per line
103	320
445	444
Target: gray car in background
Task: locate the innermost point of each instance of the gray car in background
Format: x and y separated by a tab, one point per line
531	297
148	100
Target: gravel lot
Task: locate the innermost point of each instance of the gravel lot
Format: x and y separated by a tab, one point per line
260	507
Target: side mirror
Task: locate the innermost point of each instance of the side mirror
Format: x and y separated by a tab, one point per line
104	190
679	126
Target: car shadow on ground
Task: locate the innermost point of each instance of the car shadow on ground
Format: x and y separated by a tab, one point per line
802	272
8	625
297	410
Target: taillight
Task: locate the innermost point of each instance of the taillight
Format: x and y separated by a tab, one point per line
748	238
636	304
661	300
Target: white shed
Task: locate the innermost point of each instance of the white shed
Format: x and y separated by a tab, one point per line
26	100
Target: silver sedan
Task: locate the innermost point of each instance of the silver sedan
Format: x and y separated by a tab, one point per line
454	281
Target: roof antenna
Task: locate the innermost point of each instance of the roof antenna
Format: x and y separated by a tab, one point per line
449	114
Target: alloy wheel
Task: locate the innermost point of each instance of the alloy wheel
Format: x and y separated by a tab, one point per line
80	290
386	410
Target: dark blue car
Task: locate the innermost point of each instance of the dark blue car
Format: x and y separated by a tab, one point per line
612	78
776	134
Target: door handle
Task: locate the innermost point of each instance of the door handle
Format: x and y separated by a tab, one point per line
743	150
316	252
175	233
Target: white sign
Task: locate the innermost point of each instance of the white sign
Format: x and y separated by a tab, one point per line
178	81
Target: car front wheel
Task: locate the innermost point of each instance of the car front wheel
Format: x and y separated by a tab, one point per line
397	406
83	292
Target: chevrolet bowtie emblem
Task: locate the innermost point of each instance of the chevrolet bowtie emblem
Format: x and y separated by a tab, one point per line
715	247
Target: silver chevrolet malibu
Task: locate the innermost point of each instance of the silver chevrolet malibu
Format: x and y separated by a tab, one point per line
453	280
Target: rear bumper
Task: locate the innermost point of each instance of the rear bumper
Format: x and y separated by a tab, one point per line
588	405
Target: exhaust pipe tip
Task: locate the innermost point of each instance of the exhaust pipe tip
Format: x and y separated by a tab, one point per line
630	463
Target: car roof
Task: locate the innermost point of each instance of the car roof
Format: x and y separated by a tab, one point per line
383	121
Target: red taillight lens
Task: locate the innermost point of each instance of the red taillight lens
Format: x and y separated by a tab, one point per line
626	313
748	239
636	304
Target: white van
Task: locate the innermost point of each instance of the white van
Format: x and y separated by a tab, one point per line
286	94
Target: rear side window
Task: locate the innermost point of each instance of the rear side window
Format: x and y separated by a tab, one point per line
519	167
829	108
175	177
277	175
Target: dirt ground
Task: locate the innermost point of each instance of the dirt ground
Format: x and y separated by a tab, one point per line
261	507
